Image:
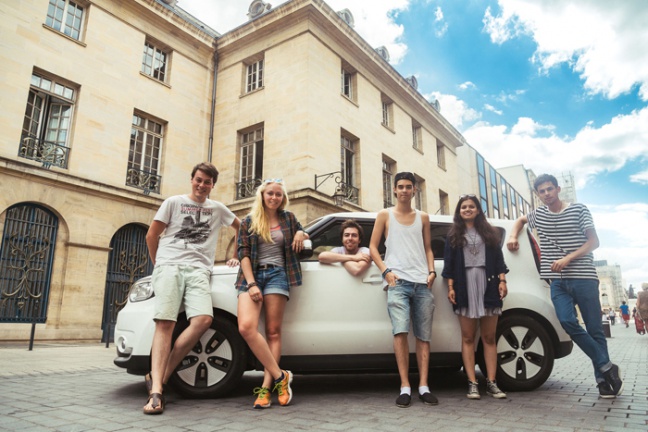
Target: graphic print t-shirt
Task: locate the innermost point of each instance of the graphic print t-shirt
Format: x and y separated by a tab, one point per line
192	230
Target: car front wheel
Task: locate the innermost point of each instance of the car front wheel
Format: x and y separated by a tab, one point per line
525	355
214	366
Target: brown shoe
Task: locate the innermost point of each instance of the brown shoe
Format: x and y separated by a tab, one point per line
156	402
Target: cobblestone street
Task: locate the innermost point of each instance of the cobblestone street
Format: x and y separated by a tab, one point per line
77	388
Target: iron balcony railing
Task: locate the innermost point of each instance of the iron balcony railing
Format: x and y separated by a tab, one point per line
351	193
47	152
247	188
148	182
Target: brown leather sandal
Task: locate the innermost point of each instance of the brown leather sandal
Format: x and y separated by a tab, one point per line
157	404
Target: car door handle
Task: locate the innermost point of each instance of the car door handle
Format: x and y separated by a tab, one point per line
373	279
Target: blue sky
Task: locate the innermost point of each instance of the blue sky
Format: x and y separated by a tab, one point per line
554	85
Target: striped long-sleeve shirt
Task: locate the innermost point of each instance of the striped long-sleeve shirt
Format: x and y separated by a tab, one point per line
561	234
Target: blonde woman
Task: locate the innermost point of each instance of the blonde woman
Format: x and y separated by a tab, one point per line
269	241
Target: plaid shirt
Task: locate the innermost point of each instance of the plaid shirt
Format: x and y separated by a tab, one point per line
248	246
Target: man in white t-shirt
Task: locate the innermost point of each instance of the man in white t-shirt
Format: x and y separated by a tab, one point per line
355	259
182	243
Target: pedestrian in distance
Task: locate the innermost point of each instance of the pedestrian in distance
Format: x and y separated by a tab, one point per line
567	239
355	259
269	241
612	316
475	270
408	273
182	243
624	309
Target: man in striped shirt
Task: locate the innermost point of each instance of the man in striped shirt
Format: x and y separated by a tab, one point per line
567	239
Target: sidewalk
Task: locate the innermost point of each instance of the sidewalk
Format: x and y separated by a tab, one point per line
48	358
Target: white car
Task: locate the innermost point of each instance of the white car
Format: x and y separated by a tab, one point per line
336	322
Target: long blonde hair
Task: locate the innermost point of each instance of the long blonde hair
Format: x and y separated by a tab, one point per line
259	220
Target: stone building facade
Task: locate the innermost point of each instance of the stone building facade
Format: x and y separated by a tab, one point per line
108	105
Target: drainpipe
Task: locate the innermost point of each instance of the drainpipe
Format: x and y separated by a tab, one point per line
213	107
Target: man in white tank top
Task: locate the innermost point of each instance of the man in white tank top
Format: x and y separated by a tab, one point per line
408	271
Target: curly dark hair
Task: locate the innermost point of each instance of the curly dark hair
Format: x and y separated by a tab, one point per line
351	223
457	231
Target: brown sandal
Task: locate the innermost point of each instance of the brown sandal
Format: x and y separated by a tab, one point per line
157	404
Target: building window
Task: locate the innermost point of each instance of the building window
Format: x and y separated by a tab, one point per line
505	201
444	203
419	194
348	155
146	139
483	190
387	113
494	194
66	17
417	139
441	162
251	162
514	212
388	168
523	206
48	120
155	61
254	76
349	82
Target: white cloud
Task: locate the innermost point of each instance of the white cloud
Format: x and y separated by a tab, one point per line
623	231
467	85
455	110
640	177
440	25
374	20
491	108
603	41
221	15
590	152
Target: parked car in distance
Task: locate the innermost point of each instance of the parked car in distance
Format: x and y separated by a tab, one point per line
336	322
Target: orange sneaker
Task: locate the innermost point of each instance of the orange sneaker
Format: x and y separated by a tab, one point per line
263	398
284	392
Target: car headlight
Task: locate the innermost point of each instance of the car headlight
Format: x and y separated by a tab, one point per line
141	290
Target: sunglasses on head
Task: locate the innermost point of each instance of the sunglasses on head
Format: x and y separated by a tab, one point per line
468	196
273	180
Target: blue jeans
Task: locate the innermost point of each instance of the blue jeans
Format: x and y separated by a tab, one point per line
584	293
409	299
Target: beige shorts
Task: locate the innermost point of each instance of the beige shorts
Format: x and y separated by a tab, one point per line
177	285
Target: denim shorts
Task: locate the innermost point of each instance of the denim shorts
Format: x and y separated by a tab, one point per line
411	300
175	285
270	281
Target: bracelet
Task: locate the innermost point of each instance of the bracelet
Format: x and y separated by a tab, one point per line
432	271
387	270
502	281
252	284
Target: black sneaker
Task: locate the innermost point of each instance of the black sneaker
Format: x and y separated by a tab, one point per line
429	399
404	400
613	378
605	391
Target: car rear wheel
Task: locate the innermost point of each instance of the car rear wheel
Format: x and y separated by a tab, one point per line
525	354
215	365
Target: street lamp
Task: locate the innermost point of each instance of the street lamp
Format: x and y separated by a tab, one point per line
338	196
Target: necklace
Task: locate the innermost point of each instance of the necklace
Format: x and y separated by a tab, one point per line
473	247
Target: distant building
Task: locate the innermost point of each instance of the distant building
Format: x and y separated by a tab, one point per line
611	290
567	187
499	198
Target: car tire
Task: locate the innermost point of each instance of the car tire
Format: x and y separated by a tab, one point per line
525	354
215	365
